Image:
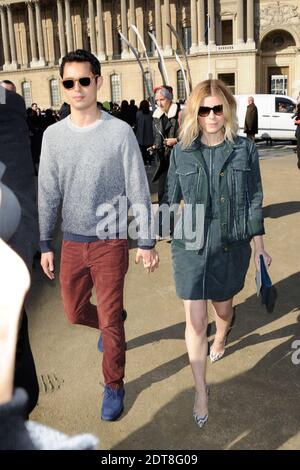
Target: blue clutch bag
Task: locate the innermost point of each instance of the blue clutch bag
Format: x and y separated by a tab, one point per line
265	289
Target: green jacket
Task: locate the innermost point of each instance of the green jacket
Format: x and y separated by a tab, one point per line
240	189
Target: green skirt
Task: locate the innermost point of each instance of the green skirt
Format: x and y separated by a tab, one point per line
212	273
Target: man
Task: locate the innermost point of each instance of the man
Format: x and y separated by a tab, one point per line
251	119
90	162
165	130
8	85
17	174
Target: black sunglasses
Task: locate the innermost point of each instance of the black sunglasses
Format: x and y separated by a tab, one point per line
205	110
83	81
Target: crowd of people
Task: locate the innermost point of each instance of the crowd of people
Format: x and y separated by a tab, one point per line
87	160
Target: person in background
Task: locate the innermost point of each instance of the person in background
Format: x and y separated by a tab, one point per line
8	85
64	110
251	119
215	170
165	130
18	175
144	130
296	116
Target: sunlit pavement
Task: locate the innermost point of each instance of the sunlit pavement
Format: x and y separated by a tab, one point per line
254	400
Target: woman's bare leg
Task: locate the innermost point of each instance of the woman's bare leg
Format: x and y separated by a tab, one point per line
196	342
223	318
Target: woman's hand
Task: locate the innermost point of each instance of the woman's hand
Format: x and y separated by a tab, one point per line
260	250
267	258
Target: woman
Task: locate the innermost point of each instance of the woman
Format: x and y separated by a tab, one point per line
214	169
144	130
165	130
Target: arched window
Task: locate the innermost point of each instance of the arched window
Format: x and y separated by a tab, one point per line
115	86
54	93
181	91
26	93
149	81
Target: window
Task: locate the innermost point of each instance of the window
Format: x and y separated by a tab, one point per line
227	36
26	93
229	80
181	91
54	93
149	81
115	88
278	84
187	38
284	105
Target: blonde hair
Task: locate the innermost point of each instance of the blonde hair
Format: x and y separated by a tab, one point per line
190	128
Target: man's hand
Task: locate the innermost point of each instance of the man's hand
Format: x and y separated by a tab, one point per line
47	263
150	259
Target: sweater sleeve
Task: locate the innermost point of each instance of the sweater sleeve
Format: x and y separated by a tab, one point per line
137	191
49	195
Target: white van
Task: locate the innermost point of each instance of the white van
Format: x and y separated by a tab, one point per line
274	116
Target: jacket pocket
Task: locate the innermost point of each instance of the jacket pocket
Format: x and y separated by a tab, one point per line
239	200
188	179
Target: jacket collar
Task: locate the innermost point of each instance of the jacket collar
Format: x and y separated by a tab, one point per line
171	113
228	149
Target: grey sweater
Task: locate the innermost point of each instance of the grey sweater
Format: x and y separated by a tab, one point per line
88	170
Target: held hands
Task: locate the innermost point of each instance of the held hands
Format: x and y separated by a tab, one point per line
47	263
150	259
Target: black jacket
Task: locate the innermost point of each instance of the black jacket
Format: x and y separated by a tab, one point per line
164	127
19	174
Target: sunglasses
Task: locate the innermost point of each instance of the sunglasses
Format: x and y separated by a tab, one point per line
83	81
205	110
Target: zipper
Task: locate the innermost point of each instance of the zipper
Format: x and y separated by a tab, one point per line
208	231
234	204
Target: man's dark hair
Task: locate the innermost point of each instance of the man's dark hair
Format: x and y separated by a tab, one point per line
80	55
8	82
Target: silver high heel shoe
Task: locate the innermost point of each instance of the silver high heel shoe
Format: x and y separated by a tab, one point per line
214	357
201	420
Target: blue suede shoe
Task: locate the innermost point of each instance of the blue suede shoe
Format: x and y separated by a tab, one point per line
113	403
100	340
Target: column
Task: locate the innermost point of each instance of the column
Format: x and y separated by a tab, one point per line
40	38
124	29
250	21
32	36
132	20
69	29
167	32
194	47
12	40
201	22
6	64
101	35
212	27
92	27
158	22
61	29
240	22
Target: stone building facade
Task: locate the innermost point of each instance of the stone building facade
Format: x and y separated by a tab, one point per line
253	45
